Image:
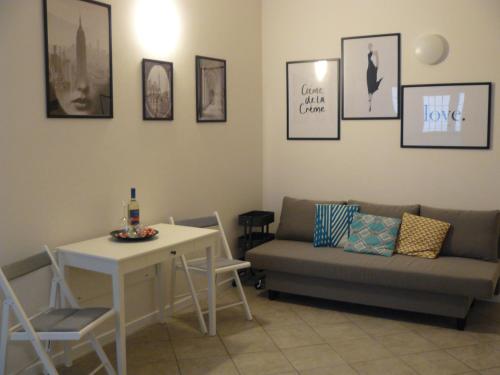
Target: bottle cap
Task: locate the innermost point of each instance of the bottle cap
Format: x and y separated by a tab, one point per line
132	193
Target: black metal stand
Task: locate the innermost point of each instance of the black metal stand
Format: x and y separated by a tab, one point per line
255	232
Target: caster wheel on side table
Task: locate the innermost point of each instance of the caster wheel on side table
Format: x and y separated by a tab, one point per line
259	284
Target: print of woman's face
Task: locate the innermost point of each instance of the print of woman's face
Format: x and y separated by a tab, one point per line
83	99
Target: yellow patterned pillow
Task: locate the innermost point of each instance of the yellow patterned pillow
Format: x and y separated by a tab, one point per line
421	237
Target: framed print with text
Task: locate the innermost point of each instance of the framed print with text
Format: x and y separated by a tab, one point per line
313	99
447	115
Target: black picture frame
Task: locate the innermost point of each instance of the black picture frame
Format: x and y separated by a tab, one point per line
200	86
486	146
345	40
290	138
53	107
147	65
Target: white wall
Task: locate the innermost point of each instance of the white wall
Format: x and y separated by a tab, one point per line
368	163
63	180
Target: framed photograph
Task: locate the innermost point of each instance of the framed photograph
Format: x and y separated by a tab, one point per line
157	90
371	77
78	70
211	101
446	115
313	99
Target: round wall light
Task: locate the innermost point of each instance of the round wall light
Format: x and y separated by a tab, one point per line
431	49
157	26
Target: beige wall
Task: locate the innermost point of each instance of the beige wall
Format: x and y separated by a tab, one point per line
367	163
63	180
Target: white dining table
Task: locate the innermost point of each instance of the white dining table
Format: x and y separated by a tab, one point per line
108	256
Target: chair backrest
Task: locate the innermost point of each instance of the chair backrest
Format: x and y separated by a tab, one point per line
11	302
26	266
21	268
200	222
29	265
206	222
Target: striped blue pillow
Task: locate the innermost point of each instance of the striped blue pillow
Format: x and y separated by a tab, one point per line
332	224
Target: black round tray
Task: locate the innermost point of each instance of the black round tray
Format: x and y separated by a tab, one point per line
116	235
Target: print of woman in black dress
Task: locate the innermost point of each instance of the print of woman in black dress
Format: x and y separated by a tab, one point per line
371	74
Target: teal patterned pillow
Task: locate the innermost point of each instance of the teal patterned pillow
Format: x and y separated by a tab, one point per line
332	224
372	234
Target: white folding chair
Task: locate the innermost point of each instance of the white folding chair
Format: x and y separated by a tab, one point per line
223	264
52	324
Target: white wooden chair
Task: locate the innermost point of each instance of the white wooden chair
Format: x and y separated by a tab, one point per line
223	264
52	324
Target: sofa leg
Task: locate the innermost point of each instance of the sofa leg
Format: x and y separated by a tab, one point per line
461	324
273	294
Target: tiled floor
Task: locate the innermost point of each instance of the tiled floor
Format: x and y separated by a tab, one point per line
297	335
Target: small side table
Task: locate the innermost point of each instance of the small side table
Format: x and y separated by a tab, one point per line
255	232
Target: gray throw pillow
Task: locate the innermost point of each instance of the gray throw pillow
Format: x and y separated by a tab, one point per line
473	234
386	210
298	218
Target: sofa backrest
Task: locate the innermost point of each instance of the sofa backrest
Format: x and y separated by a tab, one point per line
473	234
388	210
298	218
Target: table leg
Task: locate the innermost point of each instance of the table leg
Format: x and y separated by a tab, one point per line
121	335
211	291
68	360
160	291
173	277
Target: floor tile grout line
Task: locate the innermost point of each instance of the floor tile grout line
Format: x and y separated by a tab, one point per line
374	336
340	355
230	356
385	358
460	360
280	349
440	350
303	346
173	350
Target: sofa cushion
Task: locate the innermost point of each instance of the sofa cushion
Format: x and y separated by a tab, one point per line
332	223
297	219
372	234
446	275
473	234
421	236
386	209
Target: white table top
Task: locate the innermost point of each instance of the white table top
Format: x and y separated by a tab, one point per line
107	248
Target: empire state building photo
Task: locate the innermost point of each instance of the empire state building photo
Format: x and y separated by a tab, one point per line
79	62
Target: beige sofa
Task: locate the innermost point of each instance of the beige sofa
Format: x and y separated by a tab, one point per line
466	269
